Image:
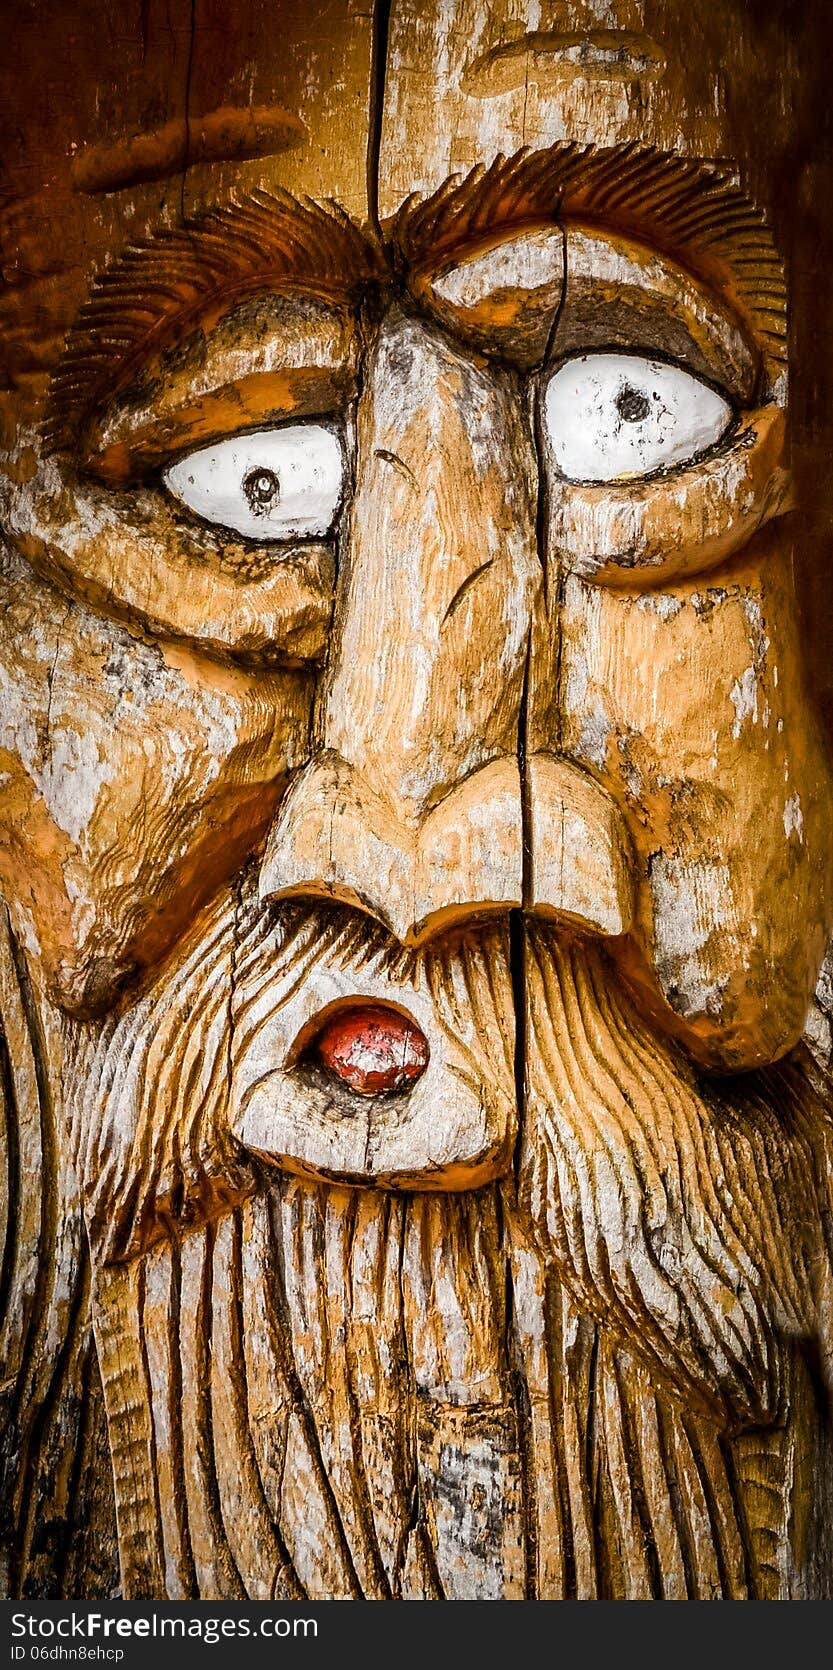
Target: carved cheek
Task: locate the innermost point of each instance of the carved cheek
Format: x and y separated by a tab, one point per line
127	553
136	778
688	703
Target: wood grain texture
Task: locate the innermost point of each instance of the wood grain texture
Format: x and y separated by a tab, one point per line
527	765
718	916
170	1103
143	771
657	1502
58	1527
601	1384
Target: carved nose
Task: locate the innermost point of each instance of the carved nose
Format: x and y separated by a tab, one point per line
336	838
411	809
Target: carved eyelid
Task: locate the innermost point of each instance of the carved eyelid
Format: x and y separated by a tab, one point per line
622	294
273	360
554	290
505	297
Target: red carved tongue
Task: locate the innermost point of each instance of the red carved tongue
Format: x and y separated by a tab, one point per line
373	1049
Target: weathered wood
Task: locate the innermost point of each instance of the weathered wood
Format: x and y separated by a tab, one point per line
414	1179
58	1527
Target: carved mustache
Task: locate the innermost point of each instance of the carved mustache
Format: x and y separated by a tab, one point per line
454	1126
173	1103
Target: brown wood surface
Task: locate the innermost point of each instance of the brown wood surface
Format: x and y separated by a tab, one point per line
534	767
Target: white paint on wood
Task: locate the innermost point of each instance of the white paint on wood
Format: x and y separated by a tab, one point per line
525	263
271	485
613	417
694	911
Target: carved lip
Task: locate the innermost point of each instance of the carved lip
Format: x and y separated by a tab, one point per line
373	1048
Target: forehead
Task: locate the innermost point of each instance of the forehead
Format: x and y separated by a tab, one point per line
465	82
118	121
140	114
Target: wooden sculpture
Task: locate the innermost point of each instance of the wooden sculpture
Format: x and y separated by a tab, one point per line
415	829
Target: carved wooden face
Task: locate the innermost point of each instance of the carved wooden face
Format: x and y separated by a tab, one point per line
427	568
408	785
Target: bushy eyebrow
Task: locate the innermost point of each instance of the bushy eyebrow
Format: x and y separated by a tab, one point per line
692	211
163	286
160	288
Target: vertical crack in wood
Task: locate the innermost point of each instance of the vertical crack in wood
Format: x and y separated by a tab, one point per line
46	1240
362	1495
558	1393
234	951
189	71
593	1466
285	1582
415	1526
378	74
517	957
89	1405
205	1445
300	1400
633	1457
12	1173
727	1451
543	502
523	1409
52	1415
48	1415
11	1248
142	1341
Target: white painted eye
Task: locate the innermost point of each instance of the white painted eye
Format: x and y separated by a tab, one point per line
614	417
273	484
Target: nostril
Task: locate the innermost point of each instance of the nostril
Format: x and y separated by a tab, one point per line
374	1049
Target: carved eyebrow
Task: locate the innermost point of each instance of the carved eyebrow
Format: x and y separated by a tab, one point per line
695	213
160	288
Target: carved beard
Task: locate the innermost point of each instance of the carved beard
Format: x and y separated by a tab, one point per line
571	1382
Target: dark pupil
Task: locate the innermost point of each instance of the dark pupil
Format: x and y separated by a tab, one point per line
261	487
632	405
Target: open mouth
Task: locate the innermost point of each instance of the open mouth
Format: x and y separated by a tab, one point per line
355	1062
373	1048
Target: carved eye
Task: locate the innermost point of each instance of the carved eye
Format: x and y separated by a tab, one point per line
614	417
274	484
